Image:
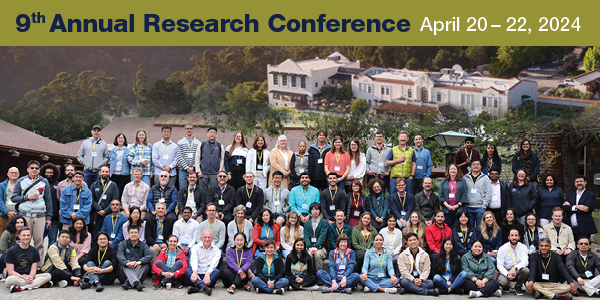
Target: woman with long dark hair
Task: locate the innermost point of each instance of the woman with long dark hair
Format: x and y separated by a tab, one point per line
528	161
299	268
358	163
480	270
239	259
257	161
235	160
510	222
463	233
81	239
119	165
263	230
549	196
449	276
523	196
9	236
338	161
379	202
289	233
533	233
135	219
356	203
490	159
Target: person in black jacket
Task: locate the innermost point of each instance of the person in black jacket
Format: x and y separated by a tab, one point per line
251	196
299	268
134	260
523	196
101	264
500	194
223	196
546	269
316	160
158	229
103	192
185	198
51	172
581	266
270	275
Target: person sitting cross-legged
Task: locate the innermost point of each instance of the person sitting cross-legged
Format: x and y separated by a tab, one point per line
170	265
101	264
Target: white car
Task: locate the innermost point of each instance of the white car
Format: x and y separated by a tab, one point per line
534	69
569	82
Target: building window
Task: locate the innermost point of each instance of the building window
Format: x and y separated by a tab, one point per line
495	102
369	88
316	84
382	91
275	79
424	95
324	82
284	80
409	93
439	97
303	82
484	101
293	81
465	99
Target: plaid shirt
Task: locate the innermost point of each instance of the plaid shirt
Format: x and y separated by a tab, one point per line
136	154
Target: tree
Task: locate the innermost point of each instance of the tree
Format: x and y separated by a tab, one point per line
591	61
208	96
65	111
163	97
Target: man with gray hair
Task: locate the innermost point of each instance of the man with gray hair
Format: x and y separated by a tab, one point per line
163	192
203	272
7	207
400	159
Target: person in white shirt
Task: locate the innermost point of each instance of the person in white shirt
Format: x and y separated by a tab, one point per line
216	226
186	229
513	262
203	272
392	240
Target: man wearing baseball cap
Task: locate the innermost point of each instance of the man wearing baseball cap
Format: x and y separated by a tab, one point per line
93	154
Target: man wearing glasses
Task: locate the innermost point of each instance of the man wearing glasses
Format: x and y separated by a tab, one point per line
164	156
579	205
33	200
186	154
581	265
163	192
223	196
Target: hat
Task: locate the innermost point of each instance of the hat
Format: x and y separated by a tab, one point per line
96	126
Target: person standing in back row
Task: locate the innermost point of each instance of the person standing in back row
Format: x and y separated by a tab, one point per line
93	154
400	159
464	156
375	158
186	154
316	156
209	160
164	156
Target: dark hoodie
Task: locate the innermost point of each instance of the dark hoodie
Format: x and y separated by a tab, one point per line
53	183
316	170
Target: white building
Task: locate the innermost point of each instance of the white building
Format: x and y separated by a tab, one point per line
583	81
450	87
291	81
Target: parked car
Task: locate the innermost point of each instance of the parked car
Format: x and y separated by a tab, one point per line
534	69
561	86
569	82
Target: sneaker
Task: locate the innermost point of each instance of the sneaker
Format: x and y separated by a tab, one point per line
458	291
401	290
519	291
313	288
231	289
498	293
565	296
247	288
47	285
126	285
325	290
99	287
391	290
138	286
85	285
348	290
192	289
159	286
290	288
257	291
443	291
15	288
208	291
366	289
63	283
279	291
2	278
536	295
433	292
472	294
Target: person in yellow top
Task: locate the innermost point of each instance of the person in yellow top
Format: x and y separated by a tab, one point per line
401	163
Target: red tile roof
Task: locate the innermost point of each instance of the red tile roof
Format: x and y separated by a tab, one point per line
15	137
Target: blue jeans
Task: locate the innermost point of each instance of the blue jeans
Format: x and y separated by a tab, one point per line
214	276
145	179
440	281
374	283
53	231
90	177
263	287
351	280
285	253
413	288
183	183
96	277
341	184
176	266
475	215
393	189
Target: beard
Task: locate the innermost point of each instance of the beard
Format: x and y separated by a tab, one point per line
70	175
104	177
50	177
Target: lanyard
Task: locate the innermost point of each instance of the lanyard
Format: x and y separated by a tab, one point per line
547	264
464	236
209	253
355	200
269	265
402	199
301	160
531	235
475	181
162	194
239	258
452	188
303	195
333	195
77	198
249	194
337	158
275	195
160	226
120	150
467	154
166	148
101	258
214	225
260	156
583	263
447	264
490	163
223	190
104	185
189	144
114	222
393	236
142	149
338	230
267	230
321	151
419	157
135	190
378	260
315	229
240	229
380	152
186	227
514	260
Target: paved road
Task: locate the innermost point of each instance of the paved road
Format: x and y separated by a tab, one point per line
116	292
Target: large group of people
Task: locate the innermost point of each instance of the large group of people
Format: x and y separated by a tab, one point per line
192	213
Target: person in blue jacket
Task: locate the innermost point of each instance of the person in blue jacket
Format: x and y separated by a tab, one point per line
453	193
463	233
378	273
113	224
490	235
119	164
402	203
341	276
379	203
75	201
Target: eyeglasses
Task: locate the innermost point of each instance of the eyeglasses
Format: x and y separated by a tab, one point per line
34	168
222	176
583	244
164	176
189	129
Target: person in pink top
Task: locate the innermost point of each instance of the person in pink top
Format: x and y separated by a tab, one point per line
337	160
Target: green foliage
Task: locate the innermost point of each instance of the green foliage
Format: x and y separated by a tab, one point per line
208	96
591	61
333	92
163	97
64	110
510	60
569	92
540	90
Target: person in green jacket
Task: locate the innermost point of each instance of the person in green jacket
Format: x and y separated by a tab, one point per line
379	203
338	228
315	234
480	273
362	238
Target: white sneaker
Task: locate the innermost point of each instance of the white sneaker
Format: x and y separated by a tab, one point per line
472	294
366	289
313	288
498	293
63	283
391	290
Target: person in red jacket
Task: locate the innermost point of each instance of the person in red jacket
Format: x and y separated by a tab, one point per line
170	265
436	232
263	230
